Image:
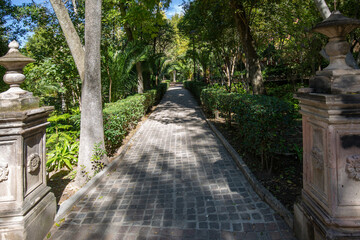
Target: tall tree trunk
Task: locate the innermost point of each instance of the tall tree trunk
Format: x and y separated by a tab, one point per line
130	36
140	77
247	41
323	8
205	73
110	82
71	36
228	75
91	129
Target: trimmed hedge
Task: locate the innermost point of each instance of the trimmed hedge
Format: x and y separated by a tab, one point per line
122	116
195	87
219	100
262	121
210	99
263	124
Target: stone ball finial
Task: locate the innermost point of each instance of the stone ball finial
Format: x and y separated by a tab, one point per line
13	44
13	47
15	97
14	62
336	27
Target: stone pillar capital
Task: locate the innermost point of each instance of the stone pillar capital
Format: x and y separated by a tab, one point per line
16	99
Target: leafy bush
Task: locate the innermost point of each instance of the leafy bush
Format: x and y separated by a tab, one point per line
239	87
210	99
219	100
195	88
119	118
122	116
262	121
286	93
161	90
65	153
97	157
150	99
62	142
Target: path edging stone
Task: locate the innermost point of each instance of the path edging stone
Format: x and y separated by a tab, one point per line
263	193
67	205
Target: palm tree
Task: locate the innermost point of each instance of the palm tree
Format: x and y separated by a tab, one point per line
120	69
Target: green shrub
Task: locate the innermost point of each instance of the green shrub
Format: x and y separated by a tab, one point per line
161	90
195	88
62	142
64	153
263	121
286	93
122	116
218	99
97	158
167	82
150	99
210	99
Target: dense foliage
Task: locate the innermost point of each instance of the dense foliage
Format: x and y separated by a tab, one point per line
262	121
5	13
62	141
281	30
203	44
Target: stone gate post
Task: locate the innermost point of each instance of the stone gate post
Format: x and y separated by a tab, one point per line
330	108
27	207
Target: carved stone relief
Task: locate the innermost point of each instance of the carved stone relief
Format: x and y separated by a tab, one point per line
33	162
353	167
4	172
317	158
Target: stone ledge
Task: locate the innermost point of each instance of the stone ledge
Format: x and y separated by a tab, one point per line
21	115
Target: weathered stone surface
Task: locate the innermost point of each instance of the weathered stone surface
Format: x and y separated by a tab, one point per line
10	102
336	81
331	144
27	208
16	99
336	27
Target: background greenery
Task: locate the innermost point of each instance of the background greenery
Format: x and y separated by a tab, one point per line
201	44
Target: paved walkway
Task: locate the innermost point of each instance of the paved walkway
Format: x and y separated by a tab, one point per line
175	182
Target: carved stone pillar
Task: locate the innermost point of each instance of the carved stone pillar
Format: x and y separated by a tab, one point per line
330	204
27	207
331	176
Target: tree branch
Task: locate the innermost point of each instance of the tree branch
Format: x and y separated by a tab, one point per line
323	8
71	36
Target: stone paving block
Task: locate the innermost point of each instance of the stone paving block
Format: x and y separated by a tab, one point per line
275	236
176	181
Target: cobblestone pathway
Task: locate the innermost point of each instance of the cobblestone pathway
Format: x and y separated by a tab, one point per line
175	182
